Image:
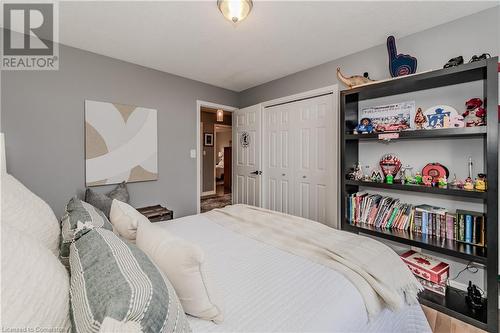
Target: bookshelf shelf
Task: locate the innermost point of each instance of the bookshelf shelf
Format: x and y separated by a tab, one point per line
446	246
486	71
449	133
453	305
421	188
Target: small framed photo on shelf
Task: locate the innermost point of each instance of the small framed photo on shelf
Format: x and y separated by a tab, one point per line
208	139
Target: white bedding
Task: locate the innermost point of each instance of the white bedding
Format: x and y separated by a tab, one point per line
268	290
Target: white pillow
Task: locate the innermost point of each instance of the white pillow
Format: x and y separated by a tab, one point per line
125	219
29	214
35	285
184	264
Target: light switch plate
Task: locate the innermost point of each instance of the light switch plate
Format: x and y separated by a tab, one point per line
193	153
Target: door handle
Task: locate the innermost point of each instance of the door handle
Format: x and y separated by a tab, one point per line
257	173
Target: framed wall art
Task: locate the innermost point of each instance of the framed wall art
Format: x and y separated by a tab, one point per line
121	143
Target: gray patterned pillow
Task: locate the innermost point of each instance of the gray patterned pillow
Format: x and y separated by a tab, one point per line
79	214
103	201
113	278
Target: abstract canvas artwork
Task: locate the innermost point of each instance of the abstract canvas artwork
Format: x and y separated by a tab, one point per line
120	143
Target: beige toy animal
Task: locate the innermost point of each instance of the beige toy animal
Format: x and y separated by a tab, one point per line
355	80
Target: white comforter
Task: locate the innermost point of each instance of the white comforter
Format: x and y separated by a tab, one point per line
268	290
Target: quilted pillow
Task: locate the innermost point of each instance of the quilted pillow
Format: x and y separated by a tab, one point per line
29	214
35	286
112	278
77	219
103	201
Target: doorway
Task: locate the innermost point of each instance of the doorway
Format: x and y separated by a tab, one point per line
214	156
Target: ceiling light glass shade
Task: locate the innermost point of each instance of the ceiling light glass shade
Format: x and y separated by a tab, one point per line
220	115
235	10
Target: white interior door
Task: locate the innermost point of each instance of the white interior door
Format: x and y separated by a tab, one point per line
300	150
314	158
246	156
278	175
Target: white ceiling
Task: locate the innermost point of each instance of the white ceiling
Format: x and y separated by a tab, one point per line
193	40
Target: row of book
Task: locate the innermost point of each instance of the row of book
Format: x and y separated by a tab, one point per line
390	213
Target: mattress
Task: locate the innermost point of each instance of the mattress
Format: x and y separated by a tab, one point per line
266	289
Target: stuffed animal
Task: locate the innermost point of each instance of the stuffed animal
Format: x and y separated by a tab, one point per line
475	115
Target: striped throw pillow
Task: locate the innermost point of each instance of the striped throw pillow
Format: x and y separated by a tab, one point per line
112	278
79	218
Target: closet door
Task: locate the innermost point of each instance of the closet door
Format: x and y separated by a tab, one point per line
278	174
314	158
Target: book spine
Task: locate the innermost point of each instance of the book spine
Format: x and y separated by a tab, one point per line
461	228
424	223
468	228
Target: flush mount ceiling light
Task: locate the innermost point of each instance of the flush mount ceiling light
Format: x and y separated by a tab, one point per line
235	10
220	115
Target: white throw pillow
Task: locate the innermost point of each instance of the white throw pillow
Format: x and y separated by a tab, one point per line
35	285
29	214
125	219
184	264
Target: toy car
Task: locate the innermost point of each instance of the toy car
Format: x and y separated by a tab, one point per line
391	127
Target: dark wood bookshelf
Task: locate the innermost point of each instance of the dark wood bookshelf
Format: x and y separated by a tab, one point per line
453	303
445	246
422	188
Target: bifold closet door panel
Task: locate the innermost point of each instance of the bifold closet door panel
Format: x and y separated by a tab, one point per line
313	159
278	174
298	154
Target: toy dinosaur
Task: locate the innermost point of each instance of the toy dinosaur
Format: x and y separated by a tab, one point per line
355	80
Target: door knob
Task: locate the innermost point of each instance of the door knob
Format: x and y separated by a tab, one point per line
256	172
283	174
304	177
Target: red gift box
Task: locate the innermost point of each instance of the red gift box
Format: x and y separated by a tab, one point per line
426	267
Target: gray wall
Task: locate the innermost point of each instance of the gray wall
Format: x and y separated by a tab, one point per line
43	120
474	34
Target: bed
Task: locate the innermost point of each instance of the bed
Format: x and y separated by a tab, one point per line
266	289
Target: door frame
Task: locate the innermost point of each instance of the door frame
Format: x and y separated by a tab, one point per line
199	105
334	90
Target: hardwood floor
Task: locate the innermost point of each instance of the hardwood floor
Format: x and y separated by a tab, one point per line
441	323
221	199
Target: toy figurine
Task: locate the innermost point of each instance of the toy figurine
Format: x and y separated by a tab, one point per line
390	164
469	185
376	177
406	174
418	178
475	115
365	126
355	80
454	182
480	184
427	180
358	172
420	119
469	166
442	182
389	179
351	175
